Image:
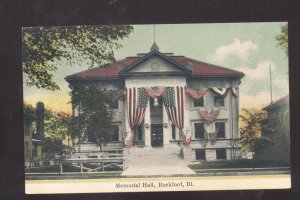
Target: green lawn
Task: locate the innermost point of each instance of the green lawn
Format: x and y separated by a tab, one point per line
52	169
239	164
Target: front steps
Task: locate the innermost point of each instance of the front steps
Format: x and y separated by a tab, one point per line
156	161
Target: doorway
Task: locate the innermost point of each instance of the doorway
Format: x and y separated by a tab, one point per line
156	135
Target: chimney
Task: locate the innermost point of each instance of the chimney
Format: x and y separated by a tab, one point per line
40	120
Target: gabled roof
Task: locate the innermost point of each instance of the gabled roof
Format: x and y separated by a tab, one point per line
191	67
201	69
153	53
107	71
279	103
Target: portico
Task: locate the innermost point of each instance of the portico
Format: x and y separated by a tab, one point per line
156	126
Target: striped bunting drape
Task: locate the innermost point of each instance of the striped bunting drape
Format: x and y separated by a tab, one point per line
136	100
224	91
174	103
196	94
209	117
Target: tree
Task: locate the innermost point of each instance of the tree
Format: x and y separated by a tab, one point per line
57	132
282	39
56	129
29	113
93	102
42	46
254	131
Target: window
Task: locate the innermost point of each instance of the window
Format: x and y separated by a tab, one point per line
26	148
27	129
200	154
34	150
115	133
220	128
221	154
219	101
114	104
91	135
140	133
173	132
199	102
199	130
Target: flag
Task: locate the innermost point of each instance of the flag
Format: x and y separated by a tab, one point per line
174	103
136	100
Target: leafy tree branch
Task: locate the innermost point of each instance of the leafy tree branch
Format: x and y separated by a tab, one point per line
43	46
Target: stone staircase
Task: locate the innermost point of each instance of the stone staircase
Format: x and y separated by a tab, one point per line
159	161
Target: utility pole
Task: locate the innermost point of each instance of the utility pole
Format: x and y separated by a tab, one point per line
271	84
154	32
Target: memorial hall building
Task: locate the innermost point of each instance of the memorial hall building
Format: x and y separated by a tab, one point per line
168	100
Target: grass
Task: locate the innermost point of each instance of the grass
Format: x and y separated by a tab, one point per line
239	164
52	169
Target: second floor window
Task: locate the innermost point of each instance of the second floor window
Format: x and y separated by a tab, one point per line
219	101
199	102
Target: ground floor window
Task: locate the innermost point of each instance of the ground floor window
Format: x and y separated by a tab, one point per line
173	132
221	154
91	135
115	133
200	154
26	148
34	150
140	133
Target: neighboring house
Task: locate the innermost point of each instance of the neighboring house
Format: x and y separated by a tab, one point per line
170	100
33	154
279	122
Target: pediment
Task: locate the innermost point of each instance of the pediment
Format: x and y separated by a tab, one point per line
157	63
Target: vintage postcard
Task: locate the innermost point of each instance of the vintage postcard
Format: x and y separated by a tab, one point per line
146	108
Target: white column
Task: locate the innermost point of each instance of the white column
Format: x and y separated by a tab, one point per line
147	130
127	130
187	123
166	131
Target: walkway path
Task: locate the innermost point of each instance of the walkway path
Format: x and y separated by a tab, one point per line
157	161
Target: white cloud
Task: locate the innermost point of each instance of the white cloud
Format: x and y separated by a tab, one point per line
237	49
261	71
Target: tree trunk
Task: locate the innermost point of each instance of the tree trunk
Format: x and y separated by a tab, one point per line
100	145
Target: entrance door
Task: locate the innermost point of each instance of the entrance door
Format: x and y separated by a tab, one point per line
156	135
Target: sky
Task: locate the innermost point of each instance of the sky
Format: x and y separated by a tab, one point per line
247	47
